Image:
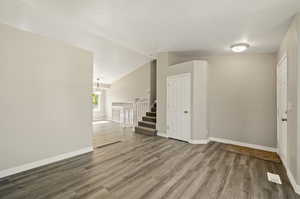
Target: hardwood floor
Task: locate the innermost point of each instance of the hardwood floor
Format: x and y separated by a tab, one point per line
107	132
152	167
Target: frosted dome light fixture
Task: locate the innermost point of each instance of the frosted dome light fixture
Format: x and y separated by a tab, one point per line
241	47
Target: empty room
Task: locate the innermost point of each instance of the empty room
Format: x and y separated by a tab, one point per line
149	99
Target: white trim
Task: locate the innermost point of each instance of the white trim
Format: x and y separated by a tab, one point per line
290	176
201	141
284	56
162	135
179	75
32	165
254	146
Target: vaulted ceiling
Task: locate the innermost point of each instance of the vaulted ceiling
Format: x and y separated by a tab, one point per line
142	28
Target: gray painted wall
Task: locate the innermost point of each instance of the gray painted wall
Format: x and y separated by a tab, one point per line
129	87
241	96
290	47
163	62
153	81
45	98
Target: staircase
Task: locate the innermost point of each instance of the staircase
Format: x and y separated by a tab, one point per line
148	124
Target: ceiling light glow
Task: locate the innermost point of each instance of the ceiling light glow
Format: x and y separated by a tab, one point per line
238	48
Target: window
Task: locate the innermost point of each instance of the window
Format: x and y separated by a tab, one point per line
96	101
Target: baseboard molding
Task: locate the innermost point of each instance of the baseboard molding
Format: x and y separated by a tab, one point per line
162	135
254	146
290	176
32	165
226	141
200	141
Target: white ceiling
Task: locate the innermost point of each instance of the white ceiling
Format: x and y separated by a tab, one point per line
190	27
112	59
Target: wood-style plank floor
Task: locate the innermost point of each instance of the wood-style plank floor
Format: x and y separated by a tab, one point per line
107	132
152	167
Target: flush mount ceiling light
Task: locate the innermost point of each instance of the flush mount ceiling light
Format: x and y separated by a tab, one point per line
238	48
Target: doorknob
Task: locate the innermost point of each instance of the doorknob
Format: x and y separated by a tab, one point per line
284	119
186	112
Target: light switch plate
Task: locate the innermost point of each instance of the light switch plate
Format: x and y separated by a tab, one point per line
274	178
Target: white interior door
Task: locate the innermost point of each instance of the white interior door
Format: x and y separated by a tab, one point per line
282	107
179	107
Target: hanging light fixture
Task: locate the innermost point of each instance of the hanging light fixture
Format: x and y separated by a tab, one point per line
100	85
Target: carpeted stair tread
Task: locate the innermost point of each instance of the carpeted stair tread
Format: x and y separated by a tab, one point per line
149	119
147	124
151	114
145	131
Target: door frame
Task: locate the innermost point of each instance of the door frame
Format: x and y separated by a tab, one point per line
280	139
189	75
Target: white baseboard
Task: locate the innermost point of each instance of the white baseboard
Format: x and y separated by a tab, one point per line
32	165
254	146
200	141
226	141
162	135
290	176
